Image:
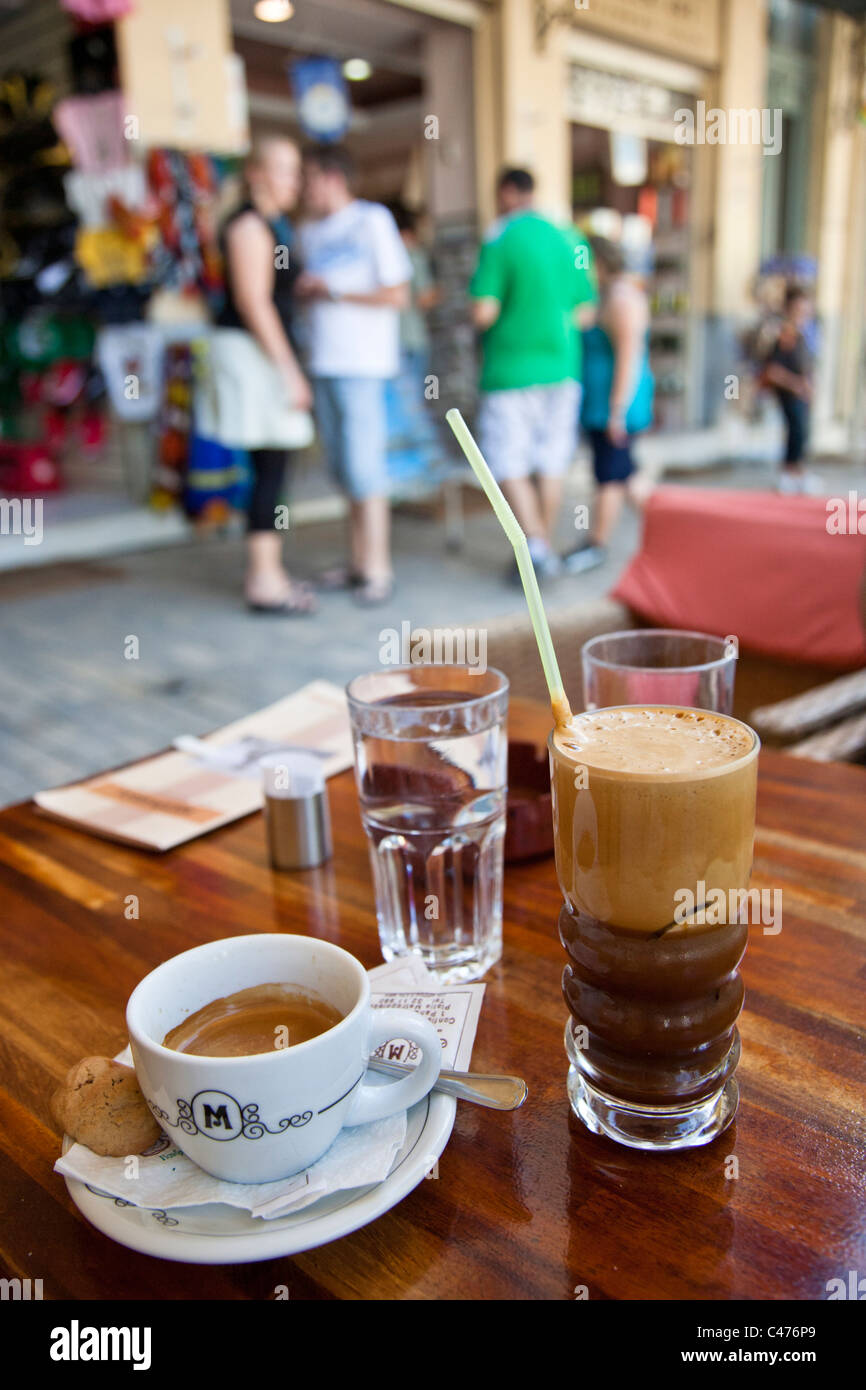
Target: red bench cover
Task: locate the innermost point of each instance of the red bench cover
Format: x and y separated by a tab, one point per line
777	572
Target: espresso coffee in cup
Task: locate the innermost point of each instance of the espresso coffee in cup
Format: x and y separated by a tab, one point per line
262	1113
251	1021
654	812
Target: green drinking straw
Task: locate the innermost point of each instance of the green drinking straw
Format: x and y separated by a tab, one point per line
512	529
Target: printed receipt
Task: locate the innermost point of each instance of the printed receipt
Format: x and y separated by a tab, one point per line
454	1011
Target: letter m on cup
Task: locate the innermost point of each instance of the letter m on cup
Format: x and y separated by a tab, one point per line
216	1117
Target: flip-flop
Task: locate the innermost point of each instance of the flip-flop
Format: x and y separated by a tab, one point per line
299	603
341	577
369	593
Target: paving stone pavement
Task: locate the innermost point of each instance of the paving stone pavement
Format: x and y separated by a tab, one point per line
73	705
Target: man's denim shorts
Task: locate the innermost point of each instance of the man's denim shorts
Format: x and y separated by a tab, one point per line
350	414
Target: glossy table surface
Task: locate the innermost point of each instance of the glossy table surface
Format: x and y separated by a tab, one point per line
527	1205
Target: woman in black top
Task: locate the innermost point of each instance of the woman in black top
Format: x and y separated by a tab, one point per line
261	268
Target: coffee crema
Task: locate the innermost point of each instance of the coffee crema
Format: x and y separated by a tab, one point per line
654	741
264	1018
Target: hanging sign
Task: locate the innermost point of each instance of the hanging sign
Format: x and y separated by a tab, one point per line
321	97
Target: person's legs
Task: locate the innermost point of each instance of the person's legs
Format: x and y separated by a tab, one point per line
327	413
523	499
796	414
267	583
638	489
370	535
269	470
364	434
608	505
613	468
507	427
554	441
505	439
550	494
804	416
266	580
793	478
331	427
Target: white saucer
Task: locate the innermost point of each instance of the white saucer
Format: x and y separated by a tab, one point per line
217	1234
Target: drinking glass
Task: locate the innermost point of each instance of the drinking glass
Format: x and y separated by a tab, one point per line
659	666
431	755
652	981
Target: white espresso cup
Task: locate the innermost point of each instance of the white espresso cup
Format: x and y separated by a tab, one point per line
268	1115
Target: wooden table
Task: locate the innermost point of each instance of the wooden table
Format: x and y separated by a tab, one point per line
527	1205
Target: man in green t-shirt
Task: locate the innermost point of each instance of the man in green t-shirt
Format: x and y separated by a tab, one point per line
531	279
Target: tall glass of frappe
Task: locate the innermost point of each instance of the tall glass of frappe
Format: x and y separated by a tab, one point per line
654	818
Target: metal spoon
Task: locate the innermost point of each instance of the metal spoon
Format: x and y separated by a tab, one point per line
496	1092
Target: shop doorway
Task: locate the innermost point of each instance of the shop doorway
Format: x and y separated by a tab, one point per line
637	190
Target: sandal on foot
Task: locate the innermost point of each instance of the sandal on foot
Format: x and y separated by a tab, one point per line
341	577
369	593
299	602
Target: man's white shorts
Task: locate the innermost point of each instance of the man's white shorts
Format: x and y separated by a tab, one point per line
531	429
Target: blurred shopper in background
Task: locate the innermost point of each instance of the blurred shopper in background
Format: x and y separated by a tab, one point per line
413	444
356	282
527	288
260	298
617	397
788	371
423	292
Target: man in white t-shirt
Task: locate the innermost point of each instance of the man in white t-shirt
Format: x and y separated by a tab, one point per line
356	281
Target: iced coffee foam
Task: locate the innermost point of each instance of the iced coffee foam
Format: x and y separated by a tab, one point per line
656	741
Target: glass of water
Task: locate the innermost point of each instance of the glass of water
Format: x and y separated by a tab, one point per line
431	753
659	666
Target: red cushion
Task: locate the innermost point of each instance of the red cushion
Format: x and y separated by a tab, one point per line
758	565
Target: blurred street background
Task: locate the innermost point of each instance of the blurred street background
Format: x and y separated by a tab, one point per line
124	130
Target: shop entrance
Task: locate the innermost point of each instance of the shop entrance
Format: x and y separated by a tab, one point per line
636	190
118	229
